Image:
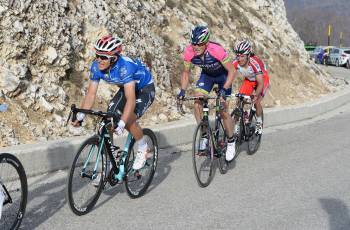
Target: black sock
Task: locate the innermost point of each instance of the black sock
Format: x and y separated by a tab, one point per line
231	139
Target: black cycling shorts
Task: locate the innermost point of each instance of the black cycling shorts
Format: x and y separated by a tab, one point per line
144	99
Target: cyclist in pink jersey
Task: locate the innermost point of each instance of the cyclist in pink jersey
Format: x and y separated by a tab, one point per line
255	77
216	69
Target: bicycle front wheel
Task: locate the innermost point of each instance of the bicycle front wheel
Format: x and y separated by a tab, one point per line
222	145
254	139
14	191
203	154
85	180
138	181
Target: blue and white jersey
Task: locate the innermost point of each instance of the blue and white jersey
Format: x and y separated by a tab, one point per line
125	70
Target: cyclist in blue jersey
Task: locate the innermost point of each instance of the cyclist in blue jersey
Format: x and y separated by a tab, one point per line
136	90
216	67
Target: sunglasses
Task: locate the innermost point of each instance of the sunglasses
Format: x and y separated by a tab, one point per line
239	55
200	44
102	57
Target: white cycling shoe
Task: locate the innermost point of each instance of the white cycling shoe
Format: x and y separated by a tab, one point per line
258	128
140	160
230	151
203	143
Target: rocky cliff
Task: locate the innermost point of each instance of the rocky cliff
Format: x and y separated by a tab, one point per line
46	50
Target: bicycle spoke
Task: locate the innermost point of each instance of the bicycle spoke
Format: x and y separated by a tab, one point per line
85	185
137	181
202	155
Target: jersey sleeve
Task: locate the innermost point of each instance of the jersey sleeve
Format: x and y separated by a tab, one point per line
94	72
218	52
188	55
256	66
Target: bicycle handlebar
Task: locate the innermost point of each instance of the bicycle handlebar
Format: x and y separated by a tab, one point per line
243	96
199	98
75	110
192	98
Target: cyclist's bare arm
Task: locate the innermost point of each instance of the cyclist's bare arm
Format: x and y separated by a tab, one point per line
129	90
88	100
185	75
230	75
260	86
90	96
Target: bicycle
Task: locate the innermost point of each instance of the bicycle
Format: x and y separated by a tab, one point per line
13	191
203	158
245	121
98	158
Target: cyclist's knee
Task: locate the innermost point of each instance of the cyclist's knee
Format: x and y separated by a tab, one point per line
198	105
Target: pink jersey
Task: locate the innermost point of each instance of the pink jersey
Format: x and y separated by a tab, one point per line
214	58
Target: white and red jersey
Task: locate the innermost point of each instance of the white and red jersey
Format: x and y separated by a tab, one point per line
255	67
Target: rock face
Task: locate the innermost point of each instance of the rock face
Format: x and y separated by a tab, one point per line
46	50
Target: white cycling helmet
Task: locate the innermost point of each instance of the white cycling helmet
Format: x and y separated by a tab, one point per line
108	45
243	47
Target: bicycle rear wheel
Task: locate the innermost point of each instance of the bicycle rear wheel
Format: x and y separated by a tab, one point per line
86	180
254	139
222	144
138	181
203	156
14	191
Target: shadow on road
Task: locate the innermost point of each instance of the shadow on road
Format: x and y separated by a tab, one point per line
48	199
338	213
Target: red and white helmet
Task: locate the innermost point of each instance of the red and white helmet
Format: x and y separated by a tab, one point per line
243	47
108	45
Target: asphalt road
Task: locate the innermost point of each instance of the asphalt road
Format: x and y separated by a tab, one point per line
299	179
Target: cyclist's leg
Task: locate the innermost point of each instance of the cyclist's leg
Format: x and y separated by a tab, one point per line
258	105
227	119
203	87
228	123
144	99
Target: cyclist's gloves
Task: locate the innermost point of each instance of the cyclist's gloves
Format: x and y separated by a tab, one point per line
181	95
120	128
222	93
80	116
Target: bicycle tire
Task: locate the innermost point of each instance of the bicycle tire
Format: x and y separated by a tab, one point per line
137	182
239	137
86	206
206	155
254	140
9	186
222	144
